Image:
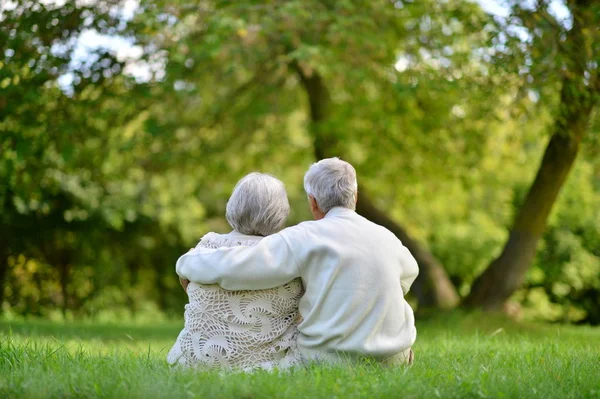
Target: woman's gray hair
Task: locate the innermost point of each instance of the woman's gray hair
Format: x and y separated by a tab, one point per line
258	205
332	182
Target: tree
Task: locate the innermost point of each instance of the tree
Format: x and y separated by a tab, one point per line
248	61
432	288
71	183
579	55
441	109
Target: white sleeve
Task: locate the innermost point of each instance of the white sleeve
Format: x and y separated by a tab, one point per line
410	270
268	264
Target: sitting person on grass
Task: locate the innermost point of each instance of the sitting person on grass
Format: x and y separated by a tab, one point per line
355	272
242	329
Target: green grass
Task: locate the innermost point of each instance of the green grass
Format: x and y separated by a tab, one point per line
456	356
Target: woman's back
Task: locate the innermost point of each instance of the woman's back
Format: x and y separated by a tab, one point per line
238	329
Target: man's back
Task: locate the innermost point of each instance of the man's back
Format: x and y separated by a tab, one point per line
354	302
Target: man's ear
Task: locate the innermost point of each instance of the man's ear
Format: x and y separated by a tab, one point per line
315	209
314	205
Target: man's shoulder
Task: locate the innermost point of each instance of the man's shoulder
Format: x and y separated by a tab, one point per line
379	230
301	228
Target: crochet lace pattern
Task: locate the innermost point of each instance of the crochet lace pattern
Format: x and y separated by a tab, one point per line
238	329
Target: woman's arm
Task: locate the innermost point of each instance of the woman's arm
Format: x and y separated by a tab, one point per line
268	264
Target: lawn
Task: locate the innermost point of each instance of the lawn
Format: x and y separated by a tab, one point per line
457	356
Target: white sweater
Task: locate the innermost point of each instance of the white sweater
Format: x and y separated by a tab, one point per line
355	273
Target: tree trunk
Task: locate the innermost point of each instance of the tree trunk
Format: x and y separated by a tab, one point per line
506	273
433	288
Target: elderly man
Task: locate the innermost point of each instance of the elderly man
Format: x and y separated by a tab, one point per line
355	273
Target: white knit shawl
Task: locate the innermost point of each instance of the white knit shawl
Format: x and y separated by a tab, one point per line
238	329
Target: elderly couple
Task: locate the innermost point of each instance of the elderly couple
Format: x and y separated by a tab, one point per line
329	290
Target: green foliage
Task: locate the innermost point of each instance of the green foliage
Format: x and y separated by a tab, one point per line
80	212
566	274
106	182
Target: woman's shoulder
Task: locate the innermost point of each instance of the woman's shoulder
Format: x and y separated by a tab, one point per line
233	239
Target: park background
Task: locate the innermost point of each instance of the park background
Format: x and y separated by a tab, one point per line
124	125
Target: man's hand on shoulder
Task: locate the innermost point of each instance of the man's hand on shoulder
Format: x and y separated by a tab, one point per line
184	283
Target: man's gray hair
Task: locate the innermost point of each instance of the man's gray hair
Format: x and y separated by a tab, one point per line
258	205
332	182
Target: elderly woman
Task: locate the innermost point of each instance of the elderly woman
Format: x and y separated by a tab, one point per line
243	329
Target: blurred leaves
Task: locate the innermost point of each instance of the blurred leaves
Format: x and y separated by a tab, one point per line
443	109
